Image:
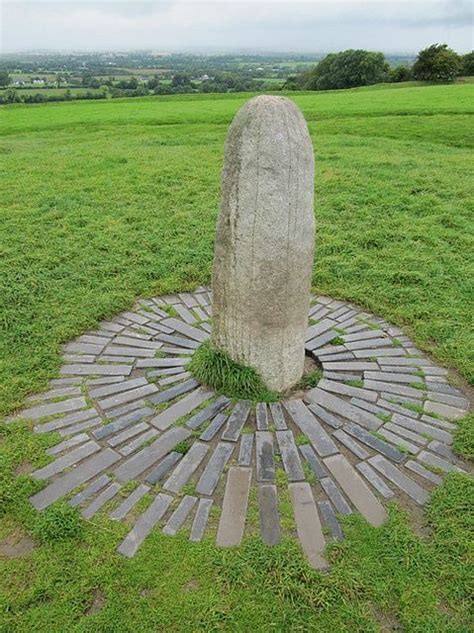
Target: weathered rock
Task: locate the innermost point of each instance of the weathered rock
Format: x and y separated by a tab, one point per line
265	241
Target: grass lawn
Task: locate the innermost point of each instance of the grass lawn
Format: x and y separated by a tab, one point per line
105	201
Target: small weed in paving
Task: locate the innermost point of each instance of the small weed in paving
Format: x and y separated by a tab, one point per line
311	379
215	369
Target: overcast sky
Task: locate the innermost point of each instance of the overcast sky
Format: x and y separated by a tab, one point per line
279	25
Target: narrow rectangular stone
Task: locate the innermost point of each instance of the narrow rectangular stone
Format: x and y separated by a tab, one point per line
236	421
442	449
104	497
314	462
234	507
350	444
278	416
135	342
90	490
118	425
356	489
214	468
174	392
370	344
127	396
335	496
123	385
386	376
171	380
149	455
438	462
438	422
264	456
448	399
330	520
422	427
129	503
43	410
269	516
245	452
349	366
403	432
162	362
325	416
186	467
135	444
372	477
261	416
70	443
423	472
127	434
310	427
57	392
74	478
200	520
67	420
380	352
80	427
84	348
180	341
79	358
144	525
413	362
374	442
397	408
192	332
362	336
370	407
213	428
347	390
343	408
125	409
209	412
60	382
339	375
180	515
106	380
184	313
290	456
395	475
319	328
332	351
96	369
399	442
308	524
164	467
387	387
177	410
447	411
321	340
69	459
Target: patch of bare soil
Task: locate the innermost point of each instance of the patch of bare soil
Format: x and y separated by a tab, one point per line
97	603
16	545
25	468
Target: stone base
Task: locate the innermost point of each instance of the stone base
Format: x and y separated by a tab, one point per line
377	427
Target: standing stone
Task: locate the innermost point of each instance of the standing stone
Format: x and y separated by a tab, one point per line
265	241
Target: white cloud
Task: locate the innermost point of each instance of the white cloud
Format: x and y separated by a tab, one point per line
306	25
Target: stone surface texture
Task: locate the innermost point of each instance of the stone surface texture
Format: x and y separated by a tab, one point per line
265	241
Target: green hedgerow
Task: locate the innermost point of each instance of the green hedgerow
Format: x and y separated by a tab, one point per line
214	368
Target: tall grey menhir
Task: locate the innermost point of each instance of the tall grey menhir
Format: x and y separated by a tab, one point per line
265	241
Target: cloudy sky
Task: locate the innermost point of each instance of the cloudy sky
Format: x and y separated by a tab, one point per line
215	25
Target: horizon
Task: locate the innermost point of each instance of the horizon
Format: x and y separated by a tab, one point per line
233	26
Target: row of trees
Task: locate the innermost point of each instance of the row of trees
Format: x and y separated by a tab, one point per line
353	68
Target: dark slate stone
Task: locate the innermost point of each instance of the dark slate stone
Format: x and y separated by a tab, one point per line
209	412
330	519
290	456
374	442
278	416
213	428
163	468
335	496
269	516
265	460
236	421
313	460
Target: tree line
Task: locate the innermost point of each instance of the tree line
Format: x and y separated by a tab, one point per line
352	68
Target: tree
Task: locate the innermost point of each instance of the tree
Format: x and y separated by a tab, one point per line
437	63
5	78
467	61
348	69
400	73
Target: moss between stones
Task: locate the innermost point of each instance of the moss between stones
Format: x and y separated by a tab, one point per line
214	368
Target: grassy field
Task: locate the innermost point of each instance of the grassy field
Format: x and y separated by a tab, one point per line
106	201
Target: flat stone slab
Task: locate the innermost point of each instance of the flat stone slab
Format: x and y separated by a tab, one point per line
144	525
269	515
356	490
128	409
234	507
308	524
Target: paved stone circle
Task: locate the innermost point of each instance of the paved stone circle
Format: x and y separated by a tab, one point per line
377	427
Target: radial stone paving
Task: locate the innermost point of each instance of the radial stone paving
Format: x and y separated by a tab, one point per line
141	441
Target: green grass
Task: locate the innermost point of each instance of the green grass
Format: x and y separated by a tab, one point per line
106	201
214	368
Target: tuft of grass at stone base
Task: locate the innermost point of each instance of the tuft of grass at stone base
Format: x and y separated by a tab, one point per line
214	368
